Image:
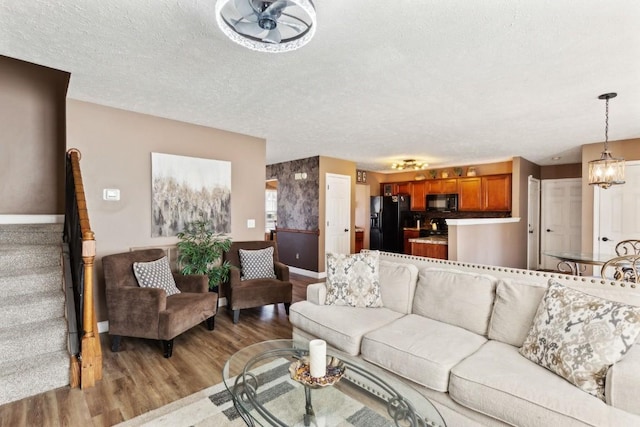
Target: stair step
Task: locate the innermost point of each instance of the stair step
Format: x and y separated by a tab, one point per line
29	256
32	339
21	309
31	233
33	375
18	281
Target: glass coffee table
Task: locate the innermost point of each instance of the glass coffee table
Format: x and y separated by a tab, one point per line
264	393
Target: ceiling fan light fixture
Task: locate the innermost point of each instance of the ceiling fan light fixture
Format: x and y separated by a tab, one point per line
409	164
267	25
607	170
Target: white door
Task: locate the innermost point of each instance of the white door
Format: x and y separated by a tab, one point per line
533	235
338	214
616	209
561	218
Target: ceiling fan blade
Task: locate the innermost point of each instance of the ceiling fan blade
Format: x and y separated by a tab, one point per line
244	8
273	36
249	29
299	28
276	7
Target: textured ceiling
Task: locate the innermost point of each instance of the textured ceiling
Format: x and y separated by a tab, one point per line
448	82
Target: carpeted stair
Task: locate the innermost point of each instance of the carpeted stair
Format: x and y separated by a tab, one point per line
34	354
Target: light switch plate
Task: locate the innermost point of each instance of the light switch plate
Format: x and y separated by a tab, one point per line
251	223
111	194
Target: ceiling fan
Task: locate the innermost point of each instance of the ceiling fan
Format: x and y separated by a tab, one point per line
268	25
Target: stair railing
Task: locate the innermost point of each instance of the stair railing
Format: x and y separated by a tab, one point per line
82	253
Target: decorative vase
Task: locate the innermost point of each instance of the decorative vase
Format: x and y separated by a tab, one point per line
471	171
445	174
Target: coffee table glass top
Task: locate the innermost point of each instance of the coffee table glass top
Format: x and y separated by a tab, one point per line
264	394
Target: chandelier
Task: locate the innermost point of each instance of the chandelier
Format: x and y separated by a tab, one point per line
267	25
607	170
409	164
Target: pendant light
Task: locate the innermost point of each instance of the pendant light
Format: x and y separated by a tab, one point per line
607	170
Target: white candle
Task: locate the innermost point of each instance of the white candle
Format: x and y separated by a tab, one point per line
318	358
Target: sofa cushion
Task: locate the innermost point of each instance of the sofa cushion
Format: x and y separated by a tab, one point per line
398	285
257	264
497	381
342	327
515	307
156	274
353	279
622	386
421	349
579	336
455	297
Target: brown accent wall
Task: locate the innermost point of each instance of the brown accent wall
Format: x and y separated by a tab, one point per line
573	170
629	149
116	147
32	141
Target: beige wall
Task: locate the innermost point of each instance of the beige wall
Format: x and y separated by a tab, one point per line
482	169
116	147
338	167
573	170
32	142
491	244
522	169
628	149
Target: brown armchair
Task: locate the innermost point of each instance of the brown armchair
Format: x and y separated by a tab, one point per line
255	292
139	312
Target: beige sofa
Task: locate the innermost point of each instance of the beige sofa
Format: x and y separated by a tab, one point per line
452	330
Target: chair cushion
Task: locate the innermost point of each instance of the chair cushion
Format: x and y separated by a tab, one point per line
342	327
156	274
455	297
497	381
184	311
257	264
579	336
420	349
353	280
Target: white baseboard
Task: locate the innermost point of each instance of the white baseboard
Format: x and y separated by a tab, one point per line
31	219
308	273
104	326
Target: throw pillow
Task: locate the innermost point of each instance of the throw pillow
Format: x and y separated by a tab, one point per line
257	264
156	274
353	280
579	336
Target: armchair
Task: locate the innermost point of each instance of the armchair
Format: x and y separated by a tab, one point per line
255	292
134	311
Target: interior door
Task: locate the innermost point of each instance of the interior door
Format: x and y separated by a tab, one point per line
533	235
338	214
561	218
616	212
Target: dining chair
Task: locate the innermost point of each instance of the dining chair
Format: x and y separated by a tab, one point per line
628	247
624	268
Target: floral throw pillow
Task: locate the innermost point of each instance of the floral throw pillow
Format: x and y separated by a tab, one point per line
579	336
353	280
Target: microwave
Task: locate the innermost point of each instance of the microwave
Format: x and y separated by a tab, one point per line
442	202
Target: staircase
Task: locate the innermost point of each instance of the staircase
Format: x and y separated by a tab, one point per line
34	354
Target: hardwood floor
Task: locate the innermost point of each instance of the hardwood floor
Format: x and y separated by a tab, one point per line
138	379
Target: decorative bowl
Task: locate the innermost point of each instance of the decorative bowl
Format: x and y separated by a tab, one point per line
299	371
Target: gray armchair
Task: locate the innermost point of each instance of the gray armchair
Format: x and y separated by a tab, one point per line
139	312
255	292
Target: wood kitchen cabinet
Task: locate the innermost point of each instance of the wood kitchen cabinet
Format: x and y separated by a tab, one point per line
418	202
441	186
430	250
409	234
487	193
359	240
404	188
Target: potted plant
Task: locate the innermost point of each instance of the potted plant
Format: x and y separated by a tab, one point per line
457	171
200	251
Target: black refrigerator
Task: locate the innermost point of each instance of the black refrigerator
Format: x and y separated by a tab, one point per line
386	226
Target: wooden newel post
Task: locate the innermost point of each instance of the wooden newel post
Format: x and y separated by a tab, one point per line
91	350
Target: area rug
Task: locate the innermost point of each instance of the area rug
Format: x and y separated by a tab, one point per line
278	393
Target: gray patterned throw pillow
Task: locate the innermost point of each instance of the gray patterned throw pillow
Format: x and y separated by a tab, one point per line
579	336
353	280
257	264
156	274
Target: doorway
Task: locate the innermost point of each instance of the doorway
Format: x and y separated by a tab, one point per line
271	209
561	218
337	214
533	227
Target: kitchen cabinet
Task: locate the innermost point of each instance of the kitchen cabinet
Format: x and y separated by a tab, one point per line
404	188
389	189
430	250
441	186
487	193
417	196
409	234
359	240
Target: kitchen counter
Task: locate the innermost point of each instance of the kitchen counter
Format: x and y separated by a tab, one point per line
433	240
